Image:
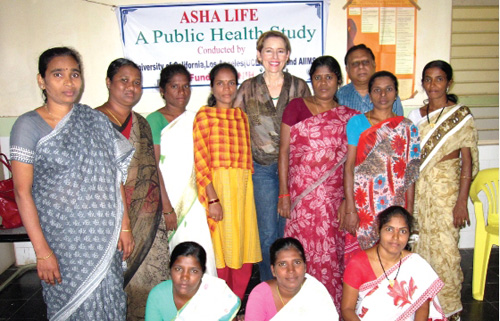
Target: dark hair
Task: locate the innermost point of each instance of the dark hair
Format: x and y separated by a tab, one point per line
446	68
285	244
333	66
213	73
380	74
361	46
170	71
49	54
385	216
116	64
189	249
270	34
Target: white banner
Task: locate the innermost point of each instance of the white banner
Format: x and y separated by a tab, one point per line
199	36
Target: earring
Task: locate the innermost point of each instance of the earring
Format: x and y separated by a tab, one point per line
447	89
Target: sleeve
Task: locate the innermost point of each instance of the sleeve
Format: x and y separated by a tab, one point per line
356	272
241	94
414	116
397	107
23	140
157	122
259	304
354	129
201	133
156	300
292	112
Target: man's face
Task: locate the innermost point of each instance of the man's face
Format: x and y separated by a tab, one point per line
360	66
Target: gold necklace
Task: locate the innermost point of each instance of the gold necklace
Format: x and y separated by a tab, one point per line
279	294
114	117
370	119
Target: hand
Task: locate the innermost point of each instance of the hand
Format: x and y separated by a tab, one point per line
461	215
48	270
284	206
351	222
126	244
170	221
215	211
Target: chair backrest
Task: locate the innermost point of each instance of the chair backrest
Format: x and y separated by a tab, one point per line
487	181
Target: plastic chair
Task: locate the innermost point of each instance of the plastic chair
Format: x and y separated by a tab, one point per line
486	232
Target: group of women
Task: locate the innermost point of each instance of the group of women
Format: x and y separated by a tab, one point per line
221	187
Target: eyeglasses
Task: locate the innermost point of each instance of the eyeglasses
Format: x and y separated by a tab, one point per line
364	63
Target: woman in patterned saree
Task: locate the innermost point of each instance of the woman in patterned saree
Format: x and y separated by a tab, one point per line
381	167
69	166
313	148
386	282
449	163
142	191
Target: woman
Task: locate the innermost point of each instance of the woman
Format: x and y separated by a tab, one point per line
191	294
449	163
142	192
313	147
223	166
382	164
172	128
264	98
68	165
292	294
386	282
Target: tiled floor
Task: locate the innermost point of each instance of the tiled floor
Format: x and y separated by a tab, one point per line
23	300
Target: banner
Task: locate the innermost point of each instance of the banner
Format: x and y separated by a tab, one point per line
201	35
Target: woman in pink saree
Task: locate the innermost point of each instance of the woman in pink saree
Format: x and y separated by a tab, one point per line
312	152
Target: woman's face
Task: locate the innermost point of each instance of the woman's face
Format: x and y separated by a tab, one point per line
126	86
289	269
186	275
435	83
383	93
273	55
62	80
325	83
224	88
177	91
394	235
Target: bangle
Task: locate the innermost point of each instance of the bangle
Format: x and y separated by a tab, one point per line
283	195
168	213
465	177
212	201
45	257
350	213
126	230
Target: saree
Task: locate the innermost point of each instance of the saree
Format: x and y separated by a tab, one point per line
77	171
437	193
147	264
177	167
313	302
415	284
318	148
387	163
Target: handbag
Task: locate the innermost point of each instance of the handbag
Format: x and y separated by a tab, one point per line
8	206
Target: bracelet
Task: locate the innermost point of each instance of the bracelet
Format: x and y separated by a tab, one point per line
46	257
465	177
168	213
283	195
350	213
126	230
212	201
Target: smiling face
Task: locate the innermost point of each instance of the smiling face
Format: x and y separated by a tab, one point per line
125	88
435	83
177	91
62	81
224	88
360	66
325	83
394	235
383	93
186	275
289	269
273	55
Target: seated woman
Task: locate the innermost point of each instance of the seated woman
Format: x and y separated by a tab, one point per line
191	294
292	294
386	282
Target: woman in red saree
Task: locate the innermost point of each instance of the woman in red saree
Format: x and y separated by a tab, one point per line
313	148
382	164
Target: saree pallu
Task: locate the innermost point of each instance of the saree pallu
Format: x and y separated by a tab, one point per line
147	266
78	169
387	163
415	284
436	195
318	147
313	302
177	168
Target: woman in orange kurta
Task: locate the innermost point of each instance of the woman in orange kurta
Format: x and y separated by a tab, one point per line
223	163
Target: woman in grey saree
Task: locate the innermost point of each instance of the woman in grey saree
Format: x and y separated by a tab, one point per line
69	165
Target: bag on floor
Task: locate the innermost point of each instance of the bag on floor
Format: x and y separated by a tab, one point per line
8	207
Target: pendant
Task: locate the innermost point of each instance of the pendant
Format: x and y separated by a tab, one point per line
432	125
391	283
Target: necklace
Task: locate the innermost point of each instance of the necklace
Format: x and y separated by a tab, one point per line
279	294
275	98
434	123
114	117
391	282
48	111
370	118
